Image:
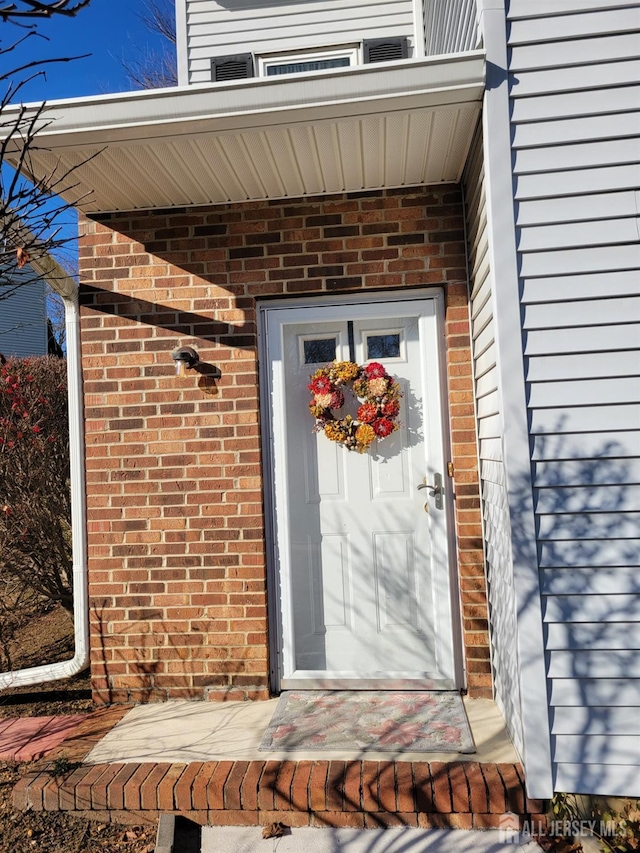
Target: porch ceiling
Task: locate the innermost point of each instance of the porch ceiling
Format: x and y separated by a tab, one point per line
356	129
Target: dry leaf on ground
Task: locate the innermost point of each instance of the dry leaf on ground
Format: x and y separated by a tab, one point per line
275	830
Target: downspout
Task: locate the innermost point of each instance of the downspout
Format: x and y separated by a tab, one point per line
66	287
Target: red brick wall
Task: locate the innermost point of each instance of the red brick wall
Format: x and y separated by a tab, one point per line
175	530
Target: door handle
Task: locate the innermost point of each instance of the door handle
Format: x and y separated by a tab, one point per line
437	491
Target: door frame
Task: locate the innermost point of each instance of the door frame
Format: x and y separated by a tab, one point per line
274	593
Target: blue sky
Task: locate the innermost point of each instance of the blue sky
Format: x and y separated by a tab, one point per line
107	29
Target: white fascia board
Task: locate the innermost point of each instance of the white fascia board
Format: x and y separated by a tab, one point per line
135	116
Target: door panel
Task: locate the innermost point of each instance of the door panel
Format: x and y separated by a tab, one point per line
362	555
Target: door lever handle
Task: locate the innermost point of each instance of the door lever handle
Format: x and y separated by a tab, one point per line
436	489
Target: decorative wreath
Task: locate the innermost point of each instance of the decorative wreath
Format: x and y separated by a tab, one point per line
377	415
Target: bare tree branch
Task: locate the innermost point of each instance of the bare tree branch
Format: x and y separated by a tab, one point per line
155	69
32	211
152	70
37	9
159	17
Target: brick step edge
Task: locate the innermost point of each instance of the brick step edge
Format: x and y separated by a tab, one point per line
458	794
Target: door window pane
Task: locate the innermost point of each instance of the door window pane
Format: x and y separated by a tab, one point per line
319	351
383	346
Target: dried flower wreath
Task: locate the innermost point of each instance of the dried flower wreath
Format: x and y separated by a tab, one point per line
379	395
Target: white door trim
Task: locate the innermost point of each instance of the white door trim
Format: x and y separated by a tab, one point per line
311	309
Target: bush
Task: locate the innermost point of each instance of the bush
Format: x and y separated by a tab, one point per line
35	500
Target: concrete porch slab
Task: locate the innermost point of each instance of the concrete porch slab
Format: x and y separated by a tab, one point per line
203	731
216	839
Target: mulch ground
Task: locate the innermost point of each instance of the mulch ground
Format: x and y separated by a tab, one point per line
54	832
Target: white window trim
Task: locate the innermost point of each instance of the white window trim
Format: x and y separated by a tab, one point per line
352	52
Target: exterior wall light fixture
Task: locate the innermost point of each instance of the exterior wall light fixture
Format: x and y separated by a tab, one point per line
185	358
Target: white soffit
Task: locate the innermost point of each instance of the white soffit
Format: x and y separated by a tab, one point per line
365	128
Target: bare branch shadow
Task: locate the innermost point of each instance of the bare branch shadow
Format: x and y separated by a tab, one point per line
585	497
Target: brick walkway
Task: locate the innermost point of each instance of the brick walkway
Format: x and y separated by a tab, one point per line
30	738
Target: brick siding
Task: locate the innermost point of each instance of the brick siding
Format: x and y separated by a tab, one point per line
175	517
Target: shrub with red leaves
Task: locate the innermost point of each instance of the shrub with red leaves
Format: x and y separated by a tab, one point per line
35	501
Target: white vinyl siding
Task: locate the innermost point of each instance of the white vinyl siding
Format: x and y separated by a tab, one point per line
23	314
498	561
215	28
451	26
576	166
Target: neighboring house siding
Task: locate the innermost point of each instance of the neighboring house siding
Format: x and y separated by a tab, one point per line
216	28
23	315
576	146
451	26
499	565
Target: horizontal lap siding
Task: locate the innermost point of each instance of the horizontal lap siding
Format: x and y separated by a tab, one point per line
218	29
576	161
451	26
502	617
23	315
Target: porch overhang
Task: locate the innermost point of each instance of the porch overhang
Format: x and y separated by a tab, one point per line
357	129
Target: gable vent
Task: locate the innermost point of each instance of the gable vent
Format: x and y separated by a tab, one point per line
237	67
384	50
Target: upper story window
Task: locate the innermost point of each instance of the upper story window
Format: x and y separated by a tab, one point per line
242	66
298	63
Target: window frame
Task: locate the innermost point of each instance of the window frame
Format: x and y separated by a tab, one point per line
268	60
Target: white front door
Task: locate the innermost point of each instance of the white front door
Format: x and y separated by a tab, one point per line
362	569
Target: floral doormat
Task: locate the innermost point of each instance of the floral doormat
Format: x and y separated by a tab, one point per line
369	721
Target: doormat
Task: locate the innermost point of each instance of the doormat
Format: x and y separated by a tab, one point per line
369	721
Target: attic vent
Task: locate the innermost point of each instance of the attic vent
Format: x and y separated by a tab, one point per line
385	50
231	67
